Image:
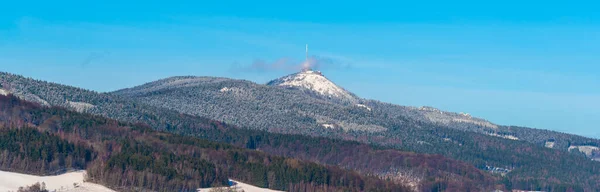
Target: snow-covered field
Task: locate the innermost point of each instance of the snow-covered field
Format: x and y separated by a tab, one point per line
239	186
10	181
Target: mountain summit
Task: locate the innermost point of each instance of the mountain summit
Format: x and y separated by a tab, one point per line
315	82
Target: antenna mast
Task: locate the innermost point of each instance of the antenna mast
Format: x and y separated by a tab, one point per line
306	52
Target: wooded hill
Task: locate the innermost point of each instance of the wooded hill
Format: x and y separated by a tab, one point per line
131	157
529	165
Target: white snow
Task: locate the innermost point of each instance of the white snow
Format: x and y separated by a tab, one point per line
503	136
315	81
364	106
224	89
239	186
80	106
476	122
328	125
438	116
32	98
423	143
10	181
549	144
587	149
4	92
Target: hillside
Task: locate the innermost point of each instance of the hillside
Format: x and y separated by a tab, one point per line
164	104
134	157
279	106
126	110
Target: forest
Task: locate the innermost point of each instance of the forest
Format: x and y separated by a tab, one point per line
133	157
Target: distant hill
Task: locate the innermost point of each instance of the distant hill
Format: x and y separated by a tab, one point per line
307	102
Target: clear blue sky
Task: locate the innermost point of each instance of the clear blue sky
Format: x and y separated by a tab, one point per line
529	63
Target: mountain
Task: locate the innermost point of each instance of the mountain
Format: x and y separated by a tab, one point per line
303	102
419	170
302	110
522	158
316	83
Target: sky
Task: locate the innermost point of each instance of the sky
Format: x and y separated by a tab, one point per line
532	63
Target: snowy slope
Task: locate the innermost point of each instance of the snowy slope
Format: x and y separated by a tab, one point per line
316	82
587	149
80	106
239	186
10	181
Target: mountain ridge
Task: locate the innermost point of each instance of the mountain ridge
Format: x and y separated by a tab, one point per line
248	91
289	111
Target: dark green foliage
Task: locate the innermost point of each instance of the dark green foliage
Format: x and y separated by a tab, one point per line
31	151
135	157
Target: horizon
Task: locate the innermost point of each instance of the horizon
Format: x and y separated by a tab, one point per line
531	65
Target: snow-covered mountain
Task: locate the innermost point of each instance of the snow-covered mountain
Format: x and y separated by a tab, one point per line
316	82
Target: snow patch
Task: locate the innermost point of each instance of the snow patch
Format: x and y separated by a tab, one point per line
330	126
549	144
348	126
498	170
424	143
364	106
32	98
239	186
224	89
446	118
80	106
503	136
10	181
4	92
235	91
587	149
476	122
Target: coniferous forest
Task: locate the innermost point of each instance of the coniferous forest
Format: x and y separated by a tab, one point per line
129	157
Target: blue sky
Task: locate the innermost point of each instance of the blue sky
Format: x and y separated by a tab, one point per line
533	63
